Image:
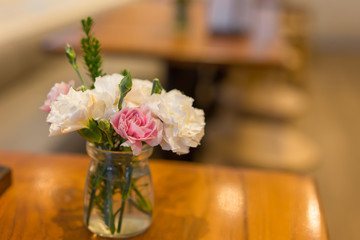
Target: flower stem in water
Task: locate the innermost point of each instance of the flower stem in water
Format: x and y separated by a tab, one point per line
125	194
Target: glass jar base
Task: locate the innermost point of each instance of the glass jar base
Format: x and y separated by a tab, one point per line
132	226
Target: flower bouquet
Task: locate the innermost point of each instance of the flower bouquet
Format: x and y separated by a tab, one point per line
122	119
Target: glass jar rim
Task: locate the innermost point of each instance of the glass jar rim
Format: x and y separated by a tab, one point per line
99	154
92	146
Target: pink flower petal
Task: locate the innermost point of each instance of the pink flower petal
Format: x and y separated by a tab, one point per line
137	125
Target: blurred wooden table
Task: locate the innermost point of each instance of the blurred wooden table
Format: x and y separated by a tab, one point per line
192	201
149	28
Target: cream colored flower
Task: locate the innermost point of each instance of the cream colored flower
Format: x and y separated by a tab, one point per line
106	96
69	112
140	91
183	124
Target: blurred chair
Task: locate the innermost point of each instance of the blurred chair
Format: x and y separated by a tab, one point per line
258	106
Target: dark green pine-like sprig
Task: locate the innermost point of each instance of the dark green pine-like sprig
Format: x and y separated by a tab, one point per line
91	49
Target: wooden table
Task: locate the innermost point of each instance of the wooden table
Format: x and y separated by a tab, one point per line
192	201
148	27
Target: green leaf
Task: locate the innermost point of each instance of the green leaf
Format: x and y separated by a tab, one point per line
156	87
92	133
125	87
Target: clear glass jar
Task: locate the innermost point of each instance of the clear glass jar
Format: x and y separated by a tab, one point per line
119	193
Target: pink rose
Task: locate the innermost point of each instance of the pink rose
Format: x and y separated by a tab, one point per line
137	125
56	90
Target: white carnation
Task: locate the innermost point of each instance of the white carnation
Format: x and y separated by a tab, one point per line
140	91
69	112
106	96
183	124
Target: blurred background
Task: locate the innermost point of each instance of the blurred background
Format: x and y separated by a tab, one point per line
278	80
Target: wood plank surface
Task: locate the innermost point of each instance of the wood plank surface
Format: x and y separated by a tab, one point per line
192	201
149	28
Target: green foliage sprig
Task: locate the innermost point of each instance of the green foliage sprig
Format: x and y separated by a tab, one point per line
91	49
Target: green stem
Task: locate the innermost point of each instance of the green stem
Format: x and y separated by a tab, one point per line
117	212
144	202
71	55
139	208
93	191
123	201
78	73
109	139
125	194
110	202
132	202
111	214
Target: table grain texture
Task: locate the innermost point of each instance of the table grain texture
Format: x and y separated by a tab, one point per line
192	201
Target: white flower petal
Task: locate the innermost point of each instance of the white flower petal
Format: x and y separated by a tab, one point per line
183	124
140	91
69	112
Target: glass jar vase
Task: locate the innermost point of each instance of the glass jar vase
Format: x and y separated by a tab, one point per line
119	193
